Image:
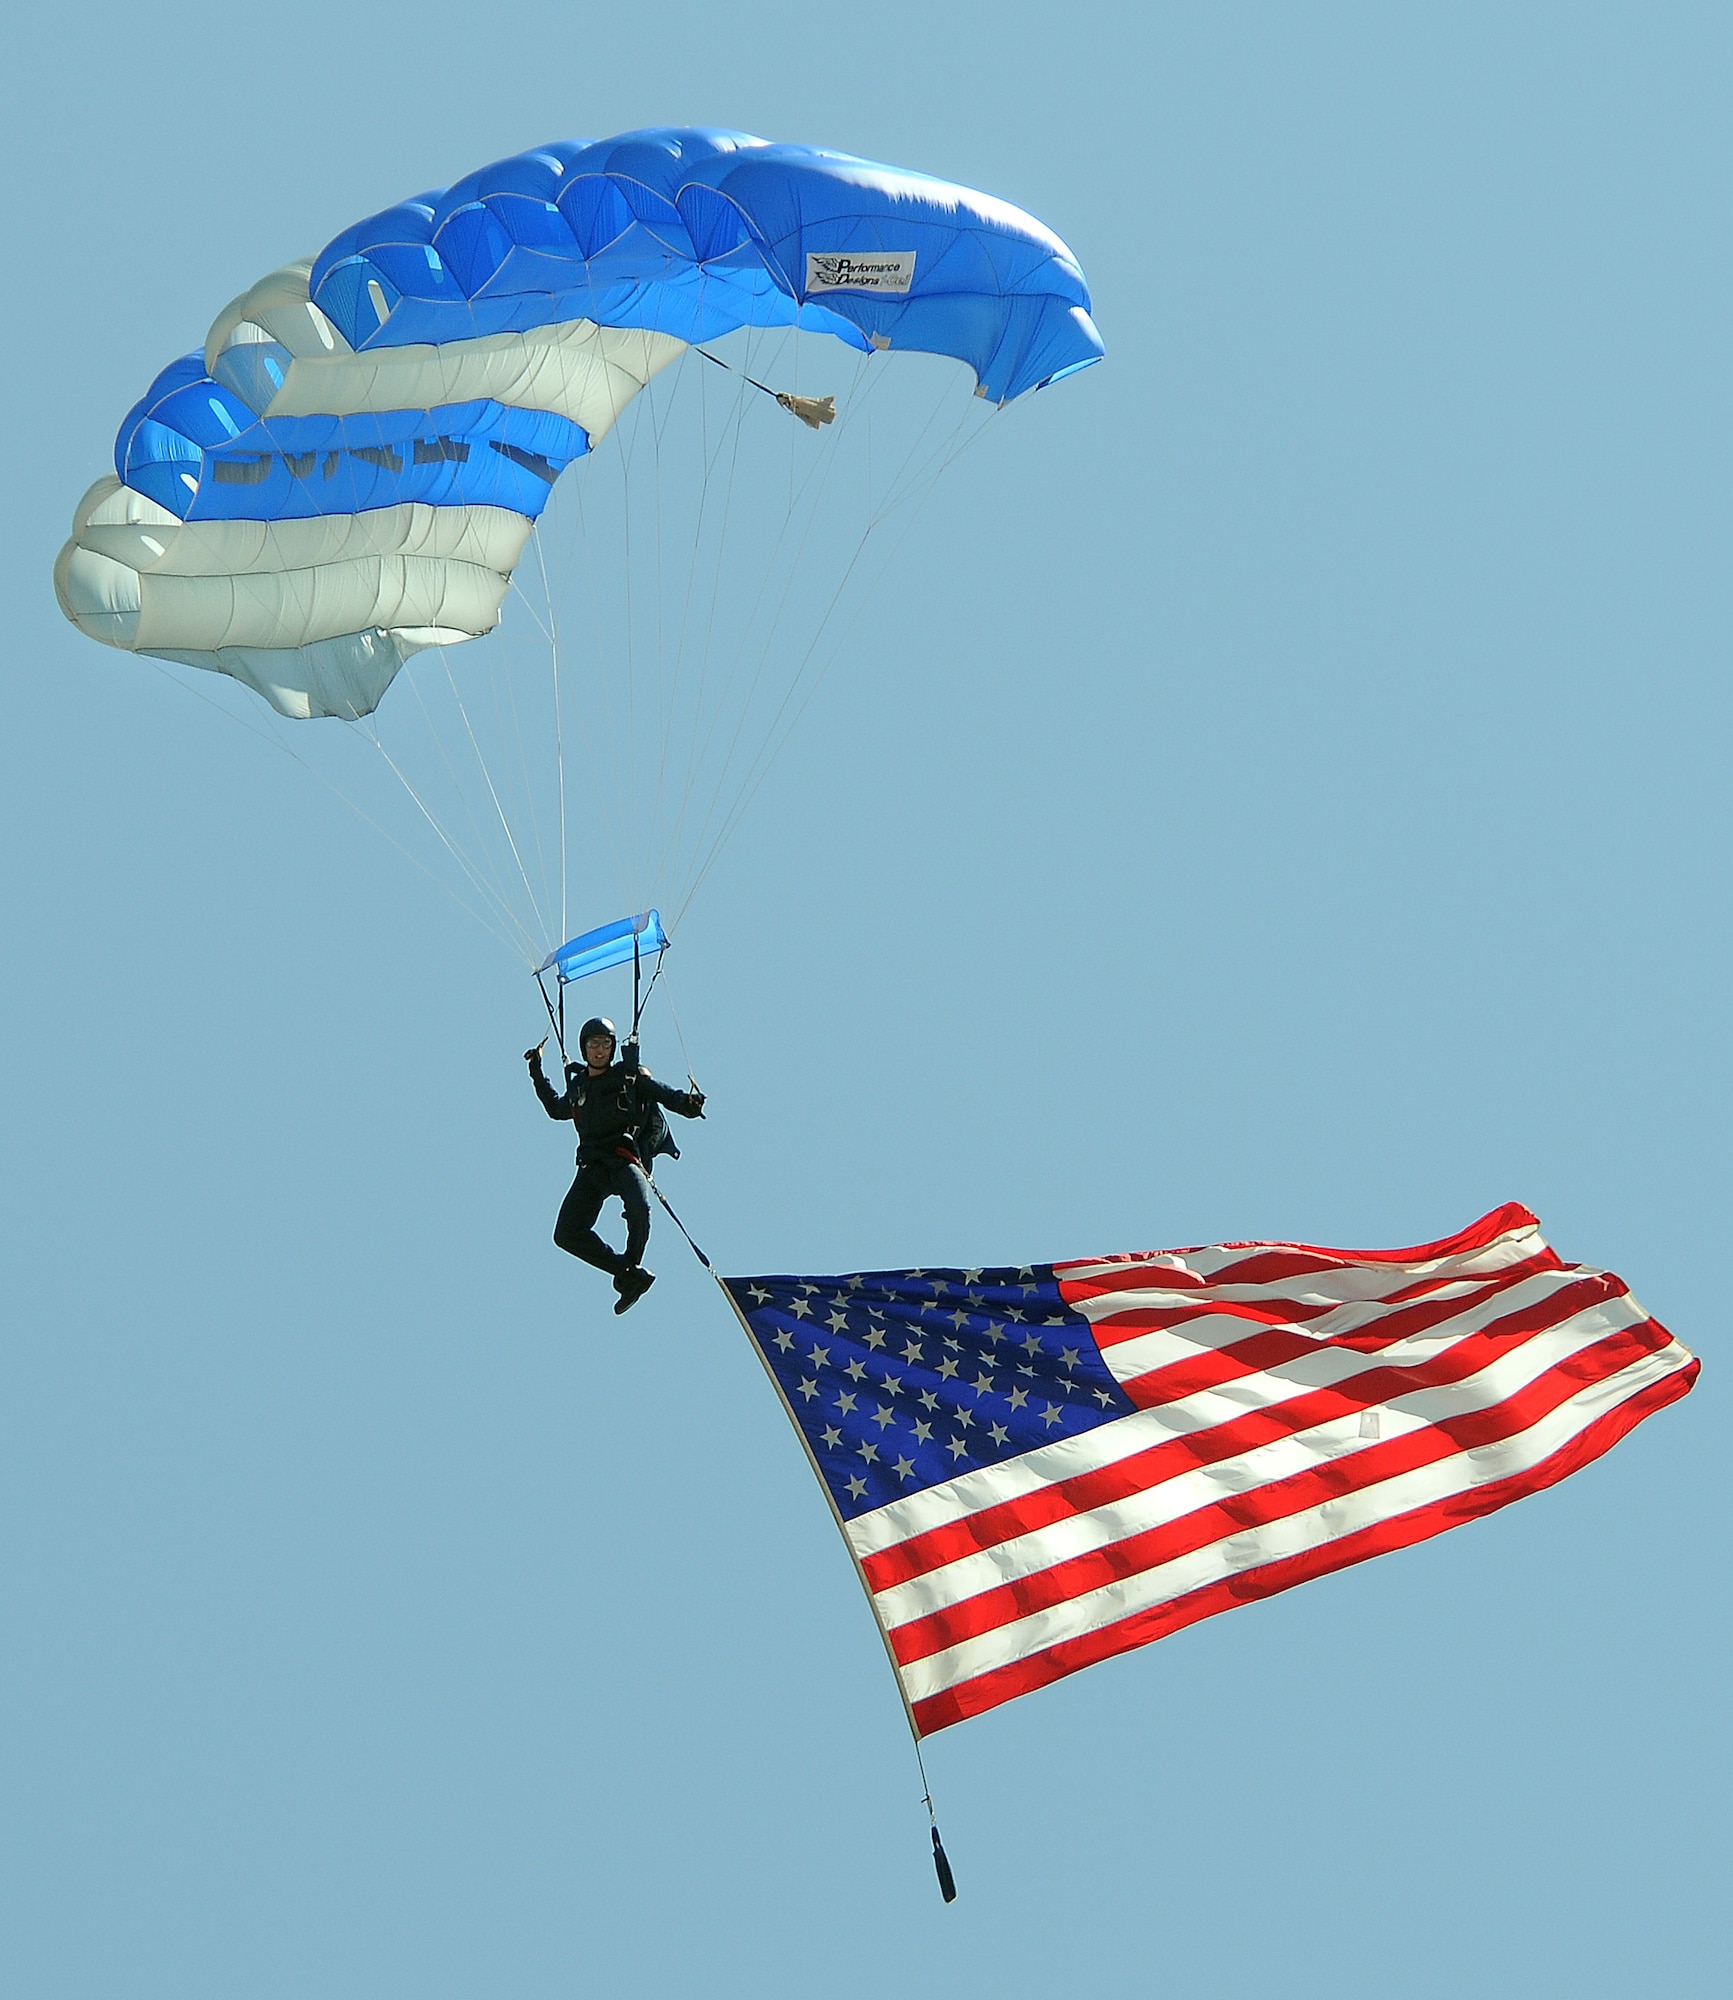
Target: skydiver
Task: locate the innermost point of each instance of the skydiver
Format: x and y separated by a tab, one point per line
617	1111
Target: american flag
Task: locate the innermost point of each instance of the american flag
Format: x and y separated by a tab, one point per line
1038	1467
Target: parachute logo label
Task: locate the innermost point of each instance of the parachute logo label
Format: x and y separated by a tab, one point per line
886	271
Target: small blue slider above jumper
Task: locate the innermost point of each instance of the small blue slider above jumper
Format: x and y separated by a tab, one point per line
611	944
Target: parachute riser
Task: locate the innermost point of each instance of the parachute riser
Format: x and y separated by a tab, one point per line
556	1021
629	1053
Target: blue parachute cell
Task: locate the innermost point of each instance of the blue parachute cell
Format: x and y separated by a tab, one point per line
609	944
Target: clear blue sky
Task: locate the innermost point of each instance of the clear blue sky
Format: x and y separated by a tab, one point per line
1295	804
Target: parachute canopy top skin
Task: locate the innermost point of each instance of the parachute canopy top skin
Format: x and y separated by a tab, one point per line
351	467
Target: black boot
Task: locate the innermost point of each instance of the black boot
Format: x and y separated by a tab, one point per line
631	1284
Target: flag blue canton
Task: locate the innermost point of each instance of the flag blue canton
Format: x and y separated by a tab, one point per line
902	1379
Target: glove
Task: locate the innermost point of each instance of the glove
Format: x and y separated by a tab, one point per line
695	1104
535	1055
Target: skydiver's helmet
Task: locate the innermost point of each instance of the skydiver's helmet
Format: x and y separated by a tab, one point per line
596	1025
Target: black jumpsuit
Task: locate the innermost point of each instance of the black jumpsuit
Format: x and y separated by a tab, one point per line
617	1122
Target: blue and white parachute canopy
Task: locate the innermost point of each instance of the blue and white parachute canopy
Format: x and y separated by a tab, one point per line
351	467
618	943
